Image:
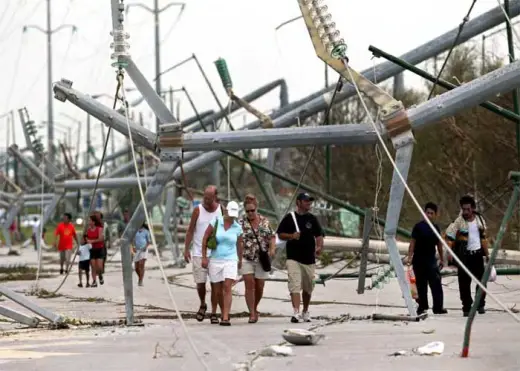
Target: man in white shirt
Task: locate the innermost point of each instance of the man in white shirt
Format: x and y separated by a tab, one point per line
84	261
467	237
200	218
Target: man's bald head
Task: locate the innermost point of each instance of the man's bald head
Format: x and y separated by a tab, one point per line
210	195
210	190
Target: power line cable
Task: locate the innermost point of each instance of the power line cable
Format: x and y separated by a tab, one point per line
455	42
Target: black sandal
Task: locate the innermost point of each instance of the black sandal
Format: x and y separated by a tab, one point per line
253	319
201	314
214	319
225	322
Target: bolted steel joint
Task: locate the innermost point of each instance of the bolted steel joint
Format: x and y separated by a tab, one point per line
396	120
170	142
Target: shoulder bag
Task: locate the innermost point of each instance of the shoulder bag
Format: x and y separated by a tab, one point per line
280	244
212	240
263	256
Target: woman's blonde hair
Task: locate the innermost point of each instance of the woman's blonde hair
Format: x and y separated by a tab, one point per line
250	199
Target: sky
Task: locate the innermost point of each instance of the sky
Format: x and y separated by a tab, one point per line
242	32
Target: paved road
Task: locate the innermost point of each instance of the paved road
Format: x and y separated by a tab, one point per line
363	345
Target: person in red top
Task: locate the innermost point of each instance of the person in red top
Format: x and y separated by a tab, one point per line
12	231
65	237
96	238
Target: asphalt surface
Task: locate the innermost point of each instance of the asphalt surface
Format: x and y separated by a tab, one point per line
162	344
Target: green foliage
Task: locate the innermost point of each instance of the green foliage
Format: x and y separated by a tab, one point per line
325	258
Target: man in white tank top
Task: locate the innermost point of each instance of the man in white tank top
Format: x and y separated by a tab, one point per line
200	218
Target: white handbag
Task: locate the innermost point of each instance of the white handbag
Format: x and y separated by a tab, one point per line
280	244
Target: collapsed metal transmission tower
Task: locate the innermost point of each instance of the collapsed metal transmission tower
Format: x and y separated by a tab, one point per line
272	131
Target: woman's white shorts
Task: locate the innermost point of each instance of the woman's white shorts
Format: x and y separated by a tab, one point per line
219	270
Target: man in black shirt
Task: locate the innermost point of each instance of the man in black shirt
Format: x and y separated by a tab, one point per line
304	242
421	254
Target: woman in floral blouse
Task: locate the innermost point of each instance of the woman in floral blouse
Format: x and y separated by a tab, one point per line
255	226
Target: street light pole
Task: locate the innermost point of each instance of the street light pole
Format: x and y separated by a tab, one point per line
50	114
156	11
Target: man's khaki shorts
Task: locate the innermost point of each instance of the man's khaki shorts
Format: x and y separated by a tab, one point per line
200	275
301	277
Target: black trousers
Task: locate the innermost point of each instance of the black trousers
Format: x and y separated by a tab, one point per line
428	274
475	264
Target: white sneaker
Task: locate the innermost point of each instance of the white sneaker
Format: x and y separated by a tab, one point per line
296	318
306	317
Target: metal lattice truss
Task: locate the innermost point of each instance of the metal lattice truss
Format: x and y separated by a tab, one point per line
204	148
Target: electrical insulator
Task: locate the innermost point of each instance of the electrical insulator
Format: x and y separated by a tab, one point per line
120	36
326	28
30	127
120	45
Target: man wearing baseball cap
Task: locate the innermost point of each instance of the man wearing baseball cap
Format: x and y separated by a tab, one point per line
304	235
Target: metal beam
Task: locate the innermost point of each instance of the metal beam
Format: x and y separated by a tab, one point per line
108	158
103	183
10	196
169	210
234	140
36	203
48	213
495	108
123	169
169	161
430	49
19	317
278	138
13	150
363	260
467	95
445	105
140	135
36	196
382	71
153	99
24	302
254	95
319	101
403	145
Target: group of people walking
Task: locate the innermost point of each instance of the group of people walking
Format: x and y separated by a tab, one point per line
467	237
92	250
92	247
221	244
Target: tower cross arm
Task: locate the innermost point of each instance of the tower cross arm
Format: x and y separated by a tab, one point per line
169	5
63	26
43	30
139	5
